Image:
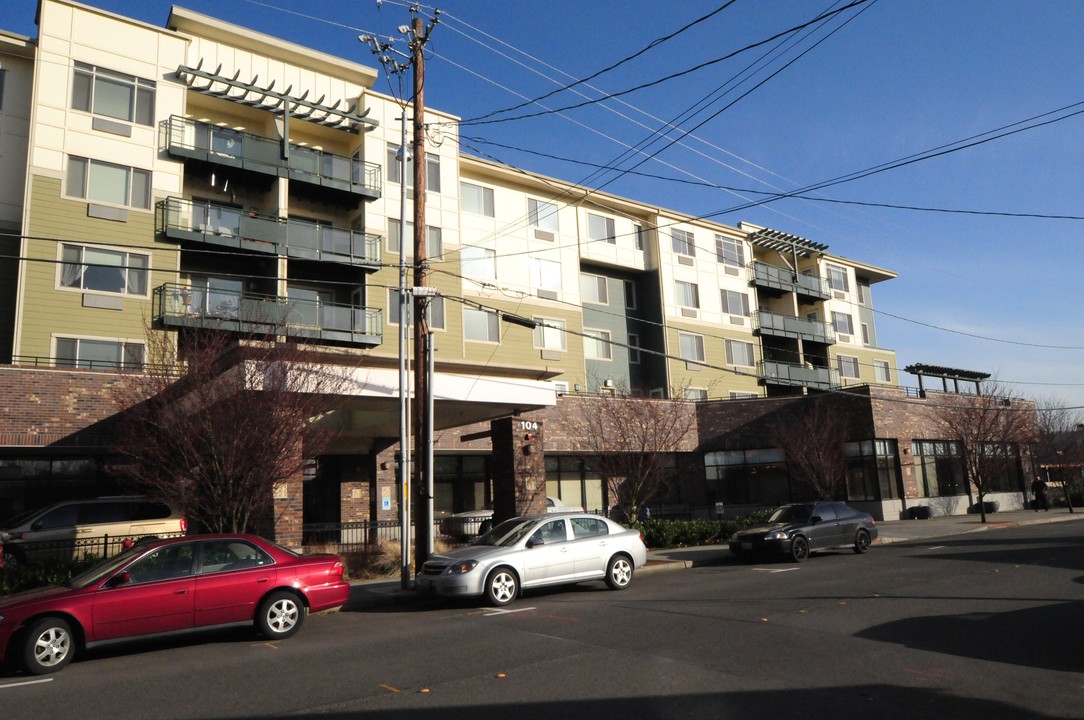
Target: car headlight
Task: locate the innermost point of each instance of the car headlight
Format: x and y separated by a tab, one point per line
461	568
777	535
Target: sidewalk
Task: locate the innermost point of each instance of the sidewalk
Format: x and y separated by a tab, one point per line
375	593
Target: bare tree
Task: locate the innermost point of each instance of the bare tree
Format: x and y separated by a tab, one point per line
1059	445
630	441
990	428
215	432
812	437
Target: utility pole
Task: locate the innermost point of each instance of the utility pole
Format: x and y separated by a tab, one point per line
414	472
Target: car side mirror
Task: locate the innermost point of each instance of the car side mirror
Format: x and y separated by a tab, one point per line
121	578
37	525
536	540
815	519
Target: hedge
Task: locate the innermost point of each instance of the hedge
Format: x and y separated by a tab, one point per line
673	533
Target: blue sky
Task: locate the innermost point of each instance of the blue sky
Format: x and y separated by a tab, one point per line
881	81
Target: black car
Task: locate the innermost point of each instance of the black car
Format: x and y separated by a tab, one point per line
798	529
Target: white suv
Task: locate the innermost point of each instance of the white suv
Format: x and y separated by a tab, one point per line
77	528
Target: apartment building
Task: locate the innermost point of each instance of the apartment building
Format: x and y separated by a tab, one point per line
202	177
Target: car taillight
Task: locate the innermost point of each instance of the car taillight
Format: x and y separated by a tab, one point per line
184	525
337	570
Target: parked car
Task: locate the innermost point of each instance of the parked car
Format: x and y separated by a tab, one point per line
76	528
166	586
466	525
799	529
535	551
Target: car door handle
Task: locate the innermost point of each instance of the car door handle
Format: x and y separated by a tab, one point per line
181	592
261	580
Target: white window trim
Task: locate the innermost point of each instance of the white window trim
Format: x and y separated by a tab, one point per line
729	343
605	284
604	338
700	347
55	337
848	358
477	340
64	288
554	325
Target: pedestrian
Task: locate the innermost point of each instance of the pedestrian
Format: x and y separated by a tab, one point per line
1038	489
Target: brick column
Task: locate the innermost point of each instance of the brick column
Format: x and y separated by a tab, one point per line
519	468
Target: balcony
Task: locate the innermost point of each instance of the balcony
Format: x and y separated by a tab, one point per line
184	138
233	227
783	280
177	306
788	326
779	373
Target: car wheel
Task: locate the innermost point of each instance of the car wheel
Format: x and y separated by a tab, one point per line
49	646
861	542
619	572
280	615
502	586
799	548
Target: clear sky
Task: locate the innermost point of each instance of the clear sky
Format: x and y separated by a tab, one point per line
988	286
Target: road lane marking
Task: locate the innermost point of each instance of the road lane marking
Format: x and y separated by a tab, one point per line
25	682
493	613
774	570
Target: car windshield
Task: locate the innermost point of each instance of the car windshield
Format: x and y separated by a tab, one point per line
97	573
507	533
792	514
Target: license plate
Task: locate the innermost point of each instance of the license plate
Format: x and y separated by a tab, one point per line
747	546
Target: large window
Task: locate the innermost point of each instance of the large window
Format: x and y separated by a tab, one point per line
601	228
113	94
739	353
434	238
881	371
747	477
682	242
939	468
593	289
837	278
843	323
542	214
596	345
432	169
575	482
1000	467
729	252
550	334
436	310
476	199
481	325
545	274
478	262
687	294
691	347
872	470
104	182
99	354
735	303
109	271
847	366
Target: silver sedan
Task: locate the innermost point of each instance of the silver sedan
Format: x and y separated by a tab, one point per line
536	551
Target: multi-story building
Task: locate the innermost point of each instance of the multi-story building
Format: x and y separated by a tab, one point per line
204	177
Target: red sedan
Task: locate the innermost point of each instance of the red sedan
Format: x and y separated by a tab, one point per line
166	586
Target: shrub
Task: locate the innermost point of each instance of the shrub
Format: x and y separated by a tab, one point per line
52	571
670	533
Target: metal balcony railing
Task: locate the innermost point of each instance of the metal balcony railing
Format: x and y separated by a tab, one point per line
181	219
783	279
779	373
181	137
769	323
178	305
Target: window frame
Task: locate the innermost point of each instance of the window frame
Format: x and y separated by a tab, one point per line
849	361
882	371
838	325
539	274
684	292
86	177
492	320
123	347
601	284
731	345
543	218
600	339
125	267
838	278
437	311
737	252
486	261
698	350
685	244
609	228
548	329
746	310
85	91
484	194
